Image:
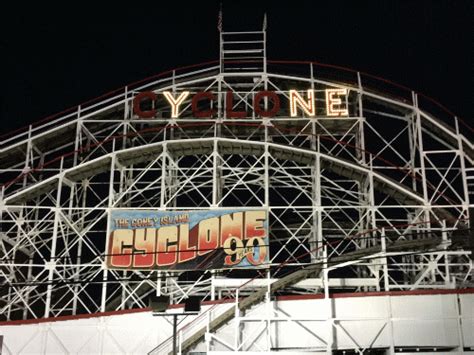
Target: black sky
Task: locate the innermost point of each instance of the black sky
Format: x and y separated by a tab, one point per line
57	56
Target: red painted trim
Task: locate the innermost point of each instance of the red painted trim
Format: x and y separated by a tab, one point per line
74	317
316	296
406	293
230	300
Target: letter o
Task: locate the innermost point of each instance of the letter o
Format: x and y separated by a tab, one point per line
271	95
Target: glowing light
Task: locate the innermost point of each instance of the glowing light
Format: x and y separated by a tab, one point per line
175	103
307	106
333	99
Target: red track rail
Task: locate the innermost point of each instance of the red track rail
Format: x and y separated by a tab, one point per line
278	298
213	62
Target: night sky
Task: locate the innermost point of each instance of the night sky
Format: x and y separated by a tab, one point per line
56	57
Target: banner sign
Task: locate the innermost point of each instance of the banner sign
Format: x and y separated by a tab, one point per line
187	240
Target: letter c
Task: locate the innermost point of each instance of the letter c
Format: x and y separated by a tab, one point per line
137	100
199	97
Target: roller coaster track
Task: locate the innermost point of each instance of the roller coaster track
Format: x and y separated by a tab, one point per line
259	296
56	137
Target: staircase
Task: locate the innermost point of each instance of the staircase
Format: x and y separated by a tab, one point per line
291	279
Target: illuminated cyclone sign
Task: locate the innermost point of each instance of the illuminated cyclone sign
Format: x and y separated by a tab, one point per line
187	240
335	103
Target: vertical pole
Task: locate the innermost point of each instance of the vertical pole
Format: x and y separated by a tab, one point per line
127	110
329	307
360	151
213	286
215	182
422	159
316	239
373	219
463	170
265	51
218	181
78	139
163	177
447	276
126	107
220	98
391	349
361	138
221	52
175	327
384	263
238	334
111	201
158	283
268	311
51	266
317	209
124	291
459	323
411	216
28	152
412	146
80	225
361	156
72	200
426	208
27	297
29	160
266	173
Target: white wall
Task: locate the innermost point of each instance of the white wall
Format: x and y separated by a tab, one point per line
377	321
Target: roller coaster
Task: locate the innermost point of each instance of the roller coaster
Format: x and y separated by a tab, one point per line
368	189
